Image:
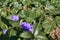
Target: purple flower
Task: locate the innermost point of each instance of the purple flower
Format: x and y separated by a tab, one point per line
26	26
14	17
4	31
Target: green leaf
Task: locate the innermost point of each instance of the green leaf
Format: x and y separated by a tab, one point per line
38	28
0	33
57	18
12	32
41	36
35	14
25	35
18	39
21	14
48	25
42	17
14	23
26	2
3	12
3	26
29	19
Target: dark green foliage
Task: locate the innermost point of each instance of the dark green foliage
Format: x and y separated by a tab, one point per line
43	14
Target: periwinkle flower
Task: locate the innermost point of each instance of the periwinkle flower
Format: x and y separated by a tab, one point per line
15	17
4	31
26	26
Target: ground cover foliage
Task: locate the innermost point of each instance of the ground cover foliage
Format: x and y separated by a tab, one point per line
29	19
